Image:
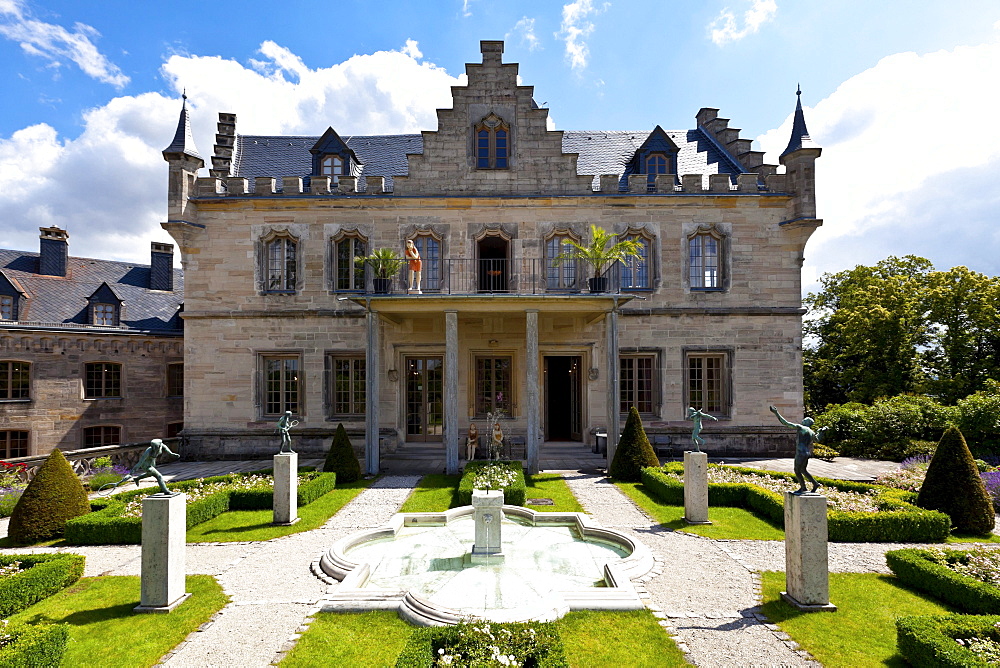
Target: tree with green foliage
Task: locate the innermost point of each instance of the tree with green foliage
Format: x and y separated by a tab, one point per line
953	486
53	496
341	458
900	327
634	452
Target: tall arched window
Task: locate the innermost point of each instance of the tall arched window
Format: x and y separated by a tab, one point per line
705	260
492	143
348	274
559	275
429	247
280	264
636	270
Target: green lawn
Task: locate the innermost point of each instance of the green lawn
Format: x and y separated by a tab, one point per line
346	640
965	538
105	633
237	525
862	632
727	522
437	493
599	639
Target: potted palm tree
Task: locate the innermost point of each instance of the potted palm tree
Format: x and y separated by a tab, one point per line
385	263
601	252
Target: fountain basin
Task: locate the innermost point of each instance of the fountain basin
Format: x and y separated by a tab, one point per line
421	565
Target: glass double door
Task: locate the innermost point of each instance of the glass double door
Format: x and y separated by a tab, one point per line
424	389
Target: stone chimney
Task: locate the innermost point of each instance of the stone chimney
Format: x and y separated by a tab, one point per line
161	267
53	252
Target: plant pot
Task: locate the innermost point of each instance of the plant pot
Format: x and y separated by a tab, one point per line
382	286
598	284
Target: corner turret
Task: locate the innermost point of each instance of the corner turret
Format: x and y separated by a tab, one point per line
799	159
184	161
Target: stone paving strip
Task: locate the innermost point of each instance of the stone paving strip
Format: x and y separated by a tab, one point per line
707	599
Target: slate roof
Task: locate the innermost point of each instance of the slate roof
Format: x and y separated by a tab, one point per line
62	301
600	152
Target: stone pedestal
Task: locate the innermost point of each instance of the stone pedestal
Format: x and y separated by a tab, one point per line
807	578
487	513
286	488
696	487
163	528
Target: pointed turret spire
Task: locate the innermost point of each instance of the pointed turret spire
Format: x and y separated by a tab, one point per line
183	143
800	133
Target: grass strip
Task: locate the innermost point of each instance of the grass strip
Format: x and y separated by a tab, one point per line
351	639
728	522
437	493
597	638
105	633
966	538
862	632
242	525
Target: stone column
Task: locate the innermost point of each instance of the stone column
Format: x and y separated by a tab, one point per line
611	343
373	375
163	528
532	404
286	488
807	578
696	487
451	392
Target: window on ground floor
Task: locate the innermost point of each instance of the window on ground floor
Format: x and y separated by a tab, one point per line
493	385
282	385
13	444
347	385
636	383
95	437
707	382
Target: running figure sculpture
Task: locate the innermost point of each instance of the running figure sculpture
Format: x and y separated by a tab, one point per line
285	423
803	449
697	416
146	467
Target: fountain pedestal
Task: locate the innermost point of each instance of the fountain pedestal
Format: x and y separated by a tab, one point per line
487	512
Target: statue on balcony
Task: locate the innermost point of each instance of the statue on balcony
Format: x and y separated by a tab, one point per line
285	424
471	442
697	416
416	265
803	449
146	468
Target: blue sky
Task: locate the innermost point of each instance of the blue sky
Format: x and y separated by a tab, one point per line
899	94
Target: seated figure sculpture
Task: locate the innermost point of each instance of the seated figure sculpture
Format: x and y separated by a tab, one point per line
471	442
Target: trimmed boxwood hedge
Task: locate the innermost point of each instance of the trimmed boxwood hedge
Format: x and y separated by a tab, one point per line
929	641
41	576
34	645
513	494
918	569
105	525
909	525
420	650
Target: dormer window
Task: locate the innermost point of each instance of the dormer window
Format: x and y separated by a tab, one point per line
656	163
104	315
332	166
6	307
492	143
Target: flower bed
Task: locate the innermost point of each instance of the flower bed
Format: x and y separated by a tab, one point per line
483	643
967	579
36	576
945	640
514	492
11	486
117	519
890	517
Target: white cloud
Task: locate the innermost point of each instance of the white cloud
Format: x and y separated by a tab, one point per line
525	31
56	43
725	29
466	11
908	164
575	29
108	185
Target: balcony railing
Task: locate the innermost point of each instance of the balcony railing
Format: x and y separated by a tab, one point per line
516	276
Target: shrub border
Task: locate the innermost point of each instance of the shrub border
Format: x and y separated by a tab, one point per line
927	640
419	649
916	568
42	576
514	494
34	645
908	525
106	526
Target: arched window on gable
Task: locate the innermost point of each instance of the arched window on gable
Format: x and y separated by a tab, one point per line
637	271
705	259
492	143
280	262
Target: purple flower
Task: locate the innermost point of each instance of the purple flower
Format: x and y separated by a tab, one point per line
992	481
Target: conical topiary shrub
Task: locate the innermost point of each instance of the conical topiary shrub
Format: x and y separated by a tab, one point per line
953	486
53	496
634	452
341	458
